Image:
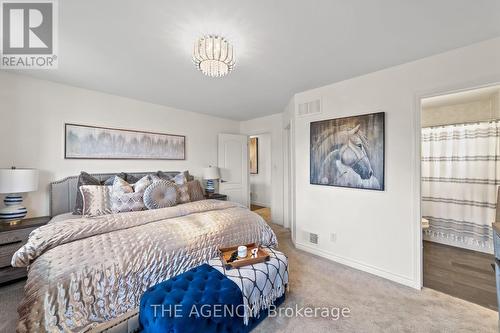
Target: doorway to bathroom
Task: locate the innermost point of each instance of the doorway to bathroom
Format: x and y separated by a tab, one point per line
460	174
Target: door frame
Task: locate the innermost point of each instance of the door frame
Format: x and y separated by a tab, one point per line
269	134
287	198
416	229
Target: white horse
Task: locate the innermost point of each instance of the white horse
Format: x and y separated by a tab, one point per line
347	163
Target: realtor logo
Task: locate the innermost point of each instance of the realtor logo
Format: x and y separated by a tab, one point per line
29	33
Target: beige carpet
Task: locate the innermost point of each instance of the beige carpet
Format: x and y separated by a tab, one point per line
376	305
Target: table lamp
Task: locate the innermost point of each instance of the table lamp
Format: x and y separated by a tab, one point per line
13	182
210	174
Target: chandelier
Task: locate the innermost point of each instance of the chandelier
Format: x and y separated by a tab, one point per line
213	56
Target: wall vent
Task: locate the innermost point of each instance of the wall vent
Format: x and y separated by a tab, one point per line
309	108
313	238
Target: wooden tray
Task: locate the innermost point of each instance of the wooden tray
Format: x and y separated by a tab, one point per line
225	254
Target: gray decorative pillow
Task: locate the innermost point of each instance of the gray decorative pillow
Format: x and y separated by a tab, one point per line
160	194
195	190
83	179
183	194
86	179
131	179
188	176
163	175
95	200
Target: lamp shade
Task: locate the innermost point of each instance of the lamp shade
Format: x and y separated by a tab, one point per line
211	173
18	180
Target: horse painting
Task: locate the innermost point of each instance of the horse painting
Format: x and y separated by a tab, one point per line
348	152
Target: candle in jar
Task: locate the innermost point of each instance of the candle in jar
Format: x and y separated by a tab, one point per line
242	251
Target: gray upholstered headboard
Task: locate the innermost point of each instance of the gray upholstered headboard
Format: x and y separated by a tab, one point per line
63	192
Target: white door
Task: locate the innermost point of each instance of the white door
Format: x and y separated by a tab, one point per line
233	164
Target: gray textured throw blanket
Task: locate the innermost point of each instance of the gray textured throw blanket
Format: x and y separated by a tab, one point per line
90	270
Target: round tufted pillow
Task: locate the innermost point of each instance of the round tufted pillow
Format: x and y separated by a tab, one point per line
160	194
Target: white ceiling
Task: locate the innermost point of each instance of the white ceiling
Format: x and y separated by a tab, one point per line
142	49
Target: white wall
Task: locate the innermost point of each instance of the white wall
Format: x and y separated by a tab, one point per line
260	183
379	231
33	113
274	126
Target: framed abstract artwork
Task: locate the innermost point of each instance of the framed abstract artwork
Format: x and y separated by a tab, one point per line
348	152
254	155
92	142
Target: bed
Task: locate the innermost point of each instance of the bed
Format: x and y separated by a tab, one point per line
84	272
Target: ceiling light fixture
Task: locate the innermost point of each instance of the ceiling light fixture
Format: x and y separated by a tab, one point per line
213	56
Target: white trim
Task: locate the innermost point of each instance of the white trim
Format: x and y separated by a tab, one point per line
464	245
404	280
293	227
272	204
286	176
265	205
417	248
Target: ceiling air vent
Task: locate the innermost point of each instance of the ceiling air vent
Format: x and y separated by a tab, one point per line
313	238
309	108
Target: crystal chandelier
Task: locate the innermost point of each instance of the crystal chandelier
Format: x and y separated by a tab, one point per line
213	56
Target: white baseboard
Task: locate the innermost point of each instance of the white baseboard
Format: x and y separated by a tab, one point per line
359	265
260	204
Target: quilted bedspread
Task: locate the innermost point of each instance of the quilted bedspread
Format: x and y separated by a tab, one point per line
89	270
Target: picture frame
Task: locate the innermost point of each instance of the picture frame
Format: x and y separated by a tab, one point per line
253	148
95	142
349	152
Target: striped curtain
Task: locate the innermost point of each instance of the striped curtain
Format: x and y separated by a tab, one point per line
460	175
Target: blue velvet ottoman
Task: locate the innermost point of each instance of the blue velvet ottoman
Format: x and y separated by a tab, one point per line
199	300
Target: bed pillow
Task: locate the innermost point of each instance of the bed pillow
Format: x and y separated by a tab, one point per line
160	194
127	202
83	179
86	179
183	194
122	186
142	184
163	175
195	190
110	180
95	200
131	179
123	198
180	179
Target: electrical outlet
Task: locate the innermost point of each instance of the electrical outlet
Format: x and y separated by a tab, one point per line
333	237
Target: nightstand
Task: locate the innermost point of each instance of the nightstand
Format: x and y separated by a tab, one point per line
216	196
12	237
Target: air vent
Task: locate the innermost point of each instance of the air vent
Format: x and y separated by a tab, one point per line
313	238
309	108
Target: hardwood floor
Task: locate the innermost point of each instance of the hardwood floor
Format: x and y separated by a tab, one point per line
255	207
262	211
461	273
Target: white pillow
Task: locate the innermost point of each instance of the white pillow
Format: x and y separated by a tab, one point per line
121	186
